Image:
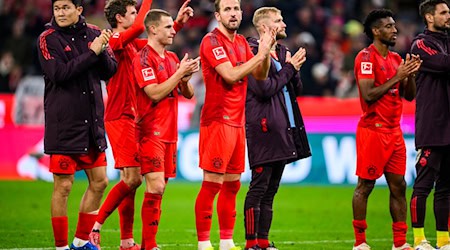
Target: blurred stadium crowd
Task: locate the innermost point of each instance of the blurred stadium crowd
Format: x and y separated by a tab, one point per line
330	30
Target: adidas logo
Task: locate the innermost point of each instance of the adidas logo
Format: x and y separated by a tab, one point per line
209	217
154	223
67	48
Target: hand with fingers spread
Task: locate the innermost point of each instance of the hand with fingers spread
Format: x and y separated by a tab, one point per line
298	58
408	66
267	40
185	13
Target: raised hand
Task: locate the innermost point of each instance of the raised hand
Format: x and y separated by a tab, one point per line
185	13
267	40
298	58
100	42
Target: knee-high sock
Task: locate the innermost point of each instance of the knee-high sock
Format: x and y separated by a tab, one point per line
204	208
151	212
85	224
60	230
126	214
113	200
226	208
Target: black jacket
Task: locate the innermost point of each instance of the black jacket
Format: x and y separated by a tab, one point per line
433	89
73	101
269	135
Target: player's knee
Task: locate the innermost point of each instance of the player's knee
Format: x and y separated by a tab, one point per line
133	182
157	187
64	188
365	187
99	184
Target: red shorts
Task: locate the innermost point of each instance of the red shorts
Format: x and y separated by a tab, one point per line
222	148
121	135
379	152
158	156
69	164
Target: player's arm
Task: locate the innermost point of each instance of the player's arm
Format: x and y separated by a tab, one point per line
409	84
56	68
184	14
275	82
434	61
156	92
232	75
186	88
120	40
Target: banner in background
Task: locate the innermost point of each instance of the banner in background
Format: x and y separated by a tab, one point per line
331	135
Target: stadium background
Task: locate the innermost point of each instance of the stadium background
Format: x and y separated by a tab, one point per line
331	31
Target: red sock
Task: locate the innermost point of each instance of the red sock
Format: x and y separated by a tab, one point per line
85	224
60	230
204	208
263	243
359	227
250	243
226	208
126	214
151	212
112	201
399	231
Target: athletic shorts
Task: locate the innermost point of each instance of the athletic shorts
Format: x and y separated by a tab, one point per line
121	135
222	148
158	156
379	152
70	163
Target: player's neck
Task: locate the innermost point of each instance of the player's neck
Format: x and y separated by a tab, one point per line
228	33
158	47
382	48
118	29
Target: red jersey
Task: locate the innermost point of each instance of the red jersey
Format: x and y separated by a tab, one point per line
156	119
224	103
125	45
386	111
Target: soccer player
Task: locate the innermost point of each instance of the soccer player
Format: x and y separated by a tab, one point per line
73	59
159	75
432	123
383	78
226	61
127	25
274	128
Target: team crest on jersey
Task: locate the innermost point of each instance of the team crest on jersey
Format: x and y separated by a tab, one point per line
219	53
148	74
366	68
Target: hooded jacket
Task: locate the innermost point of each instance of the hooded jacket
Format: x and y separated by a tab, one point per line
433	89
73	101
270	137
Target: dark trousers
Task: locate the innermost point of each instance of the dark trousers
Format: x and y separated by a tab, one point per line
433	170
259	200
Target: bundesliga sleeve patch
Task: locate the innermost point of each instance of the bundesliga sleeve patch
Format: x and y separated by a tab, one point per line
366	68
219	53
148	74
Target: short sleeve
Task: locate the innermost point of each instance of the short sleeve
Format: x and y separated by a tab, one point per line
144	72
214	51
364	68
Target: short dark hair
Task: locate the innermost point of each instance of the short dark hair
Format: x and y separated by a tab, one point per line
217	4
114	7
154	16
372	20
75	2
429	7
